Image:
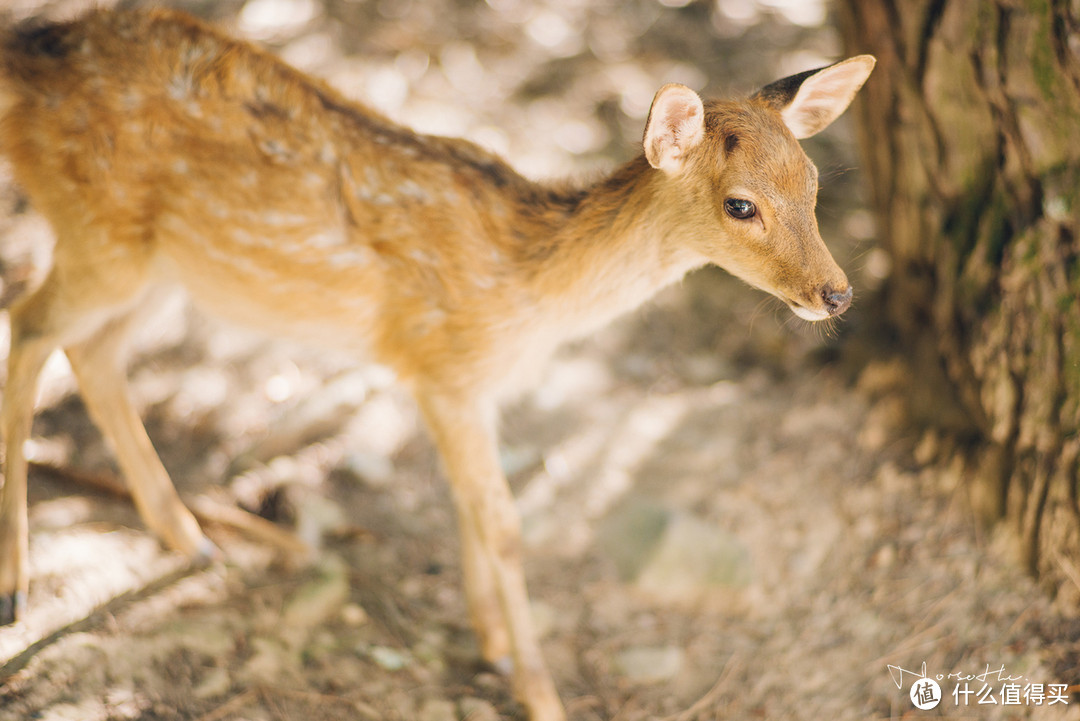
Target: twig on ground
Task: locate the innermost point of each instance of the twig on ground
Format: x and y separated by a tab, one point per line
314	697
206	509
226	709
712	695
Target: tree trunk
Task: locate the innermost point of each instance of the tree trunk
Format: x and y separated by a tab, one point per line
970	129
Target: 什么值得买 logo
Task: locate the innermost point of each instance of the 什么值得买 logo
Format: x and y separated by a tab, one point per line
925	694
989	687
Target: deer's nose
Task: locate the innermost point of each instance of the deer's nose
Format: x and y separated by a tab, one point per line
837	302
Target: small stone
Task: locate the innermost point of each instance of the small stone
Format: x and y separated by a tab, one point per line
646	664
703	369
517	459
437	709
477	709
317	516
372	469
390	659
353	614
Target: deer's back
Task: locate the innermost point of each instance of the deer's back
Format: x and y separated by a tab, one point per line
271	198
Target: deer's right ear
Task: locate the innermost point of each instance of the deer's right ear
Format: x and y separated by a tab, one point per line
809	101
676	124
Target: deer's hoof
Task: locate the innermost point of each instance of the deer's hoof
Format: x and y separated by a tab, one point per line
12	607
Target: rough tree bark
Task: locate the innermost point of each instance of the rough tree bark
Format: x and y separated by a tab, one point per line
970	129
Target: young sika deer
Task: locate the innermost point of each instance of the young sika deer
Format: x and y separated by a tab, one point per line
164	152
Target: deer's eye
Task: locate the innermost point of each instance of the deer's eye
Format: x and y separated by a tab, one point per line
739	208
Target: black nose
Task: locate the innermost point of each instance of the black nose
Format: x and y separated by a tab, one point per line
836	302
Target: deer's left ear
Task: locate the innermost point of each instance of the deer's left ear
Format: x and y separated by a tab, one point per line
676	123
809	101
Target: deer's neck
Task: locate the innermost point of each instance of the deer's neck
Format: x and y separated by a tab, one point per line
599	252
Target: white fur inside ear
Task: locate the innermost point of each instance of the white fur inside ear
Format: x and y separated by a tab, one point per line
676	124
825	95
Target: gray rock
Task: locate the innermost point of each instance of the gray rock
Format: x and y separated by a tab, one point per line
673	555
650	664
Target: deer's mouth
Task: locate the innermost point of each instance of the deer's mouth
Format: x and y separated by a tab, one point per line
833	303
803	309
811	314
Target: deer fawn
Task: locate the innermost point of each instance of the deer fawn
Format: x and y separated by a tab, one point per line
163	152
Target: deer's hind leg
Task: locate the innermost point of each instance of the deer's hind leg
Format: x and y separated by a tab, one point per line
100	366
85	306
34	336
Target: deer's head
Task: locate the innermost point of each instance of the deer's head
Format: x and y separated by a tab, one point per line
753	187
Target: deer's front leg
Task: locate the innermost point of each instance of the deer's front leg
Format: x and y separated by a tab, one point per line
464	431
482	594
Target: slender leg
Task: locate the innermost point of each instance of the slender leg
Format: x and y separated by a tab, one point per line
28	355
84	305
99	363
464	431
482	595
40	323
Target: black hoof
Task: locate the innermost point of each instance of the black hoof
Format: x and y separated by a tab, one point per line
12	607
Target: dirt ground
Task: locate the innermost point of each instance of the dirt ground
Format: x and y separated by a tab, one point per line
726	516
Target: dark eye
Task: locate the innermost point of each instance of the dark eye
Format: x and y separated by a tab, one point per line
739	208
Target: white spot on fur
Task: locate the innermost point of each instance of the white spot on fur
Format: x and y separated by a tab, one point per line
328	154
242	236
484	281
421	256
413	190
213	251
251	240
372	183
352	257
132	100
326	240
432	319
179	86
275	149
279	219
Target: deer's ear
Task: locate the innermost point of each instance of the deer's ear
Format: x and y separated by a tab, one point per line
810	101
676	124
